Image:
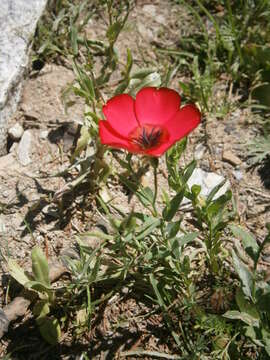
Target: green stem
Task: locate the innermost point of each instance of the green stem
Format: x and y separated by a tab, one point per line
154	163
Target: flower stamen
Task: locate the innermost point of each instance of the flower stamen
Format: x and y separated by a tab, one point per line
147	138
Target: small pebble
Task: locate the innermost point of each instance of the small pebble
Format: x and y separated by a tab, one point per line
16	132
238	174
229	157
43	134
5	193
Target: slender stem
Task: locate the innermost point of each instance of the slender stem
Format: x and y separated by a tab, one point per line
156	186
154	163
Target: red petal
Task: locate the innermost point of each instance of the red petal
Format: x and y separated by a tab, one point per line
119	112
109	137
160	150
183	122
156	106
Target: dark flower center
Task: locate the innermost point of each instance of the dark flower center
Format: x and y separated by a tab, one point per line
147	137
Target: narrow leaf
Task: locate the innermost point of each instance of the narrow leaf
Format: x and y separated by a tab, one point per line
246	318
17	272
244	274
40	266
250	244
170	210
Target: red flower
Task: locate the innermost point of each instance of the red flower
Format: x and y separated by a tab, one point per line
149	125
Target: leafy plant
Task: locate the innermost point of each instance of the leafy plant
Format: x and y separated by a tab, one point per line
59	30
252	297
259	149
38	283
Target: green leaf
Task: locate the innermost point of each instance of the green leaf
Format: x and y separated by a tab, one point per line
145	195
195	190
148	227
173	228
187	238
82	142
40	266
266	340
74	40
152	79
244	275
113	31
264	302
129	62
41	308
171	209
253	334
154	284
246	306
49	329
246	318
17	272
178	243
174	154
38	286
129	223
140	74
216	207
250	244
189	170
214	191
121	87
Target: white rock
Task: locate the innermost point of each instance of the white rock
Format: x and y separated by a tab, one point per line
24	148
199	151
16	132
7	161
207	181
238	174
18	19
13	148
43	134
150	10
2	226
145	32
160	19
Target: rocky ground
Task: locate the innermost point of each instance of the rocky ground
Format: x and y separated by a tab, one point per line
41	135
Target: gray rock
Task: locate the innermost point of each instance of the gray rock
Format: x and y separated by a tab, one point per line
15	132
207	181
25	148
18	19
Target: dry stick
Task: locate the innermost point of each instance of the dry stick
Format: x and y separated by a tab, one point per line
20	304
